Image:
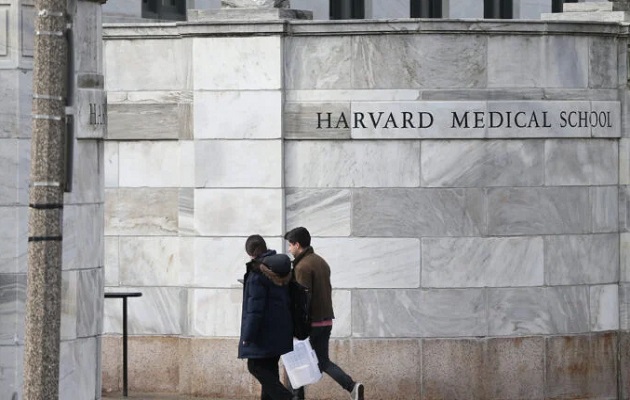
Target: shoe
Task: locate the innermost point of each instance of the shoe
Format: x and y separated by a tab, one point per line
357	391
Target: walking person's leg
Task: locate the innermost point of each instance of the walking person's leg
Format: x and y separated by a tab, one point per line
265	370
320	337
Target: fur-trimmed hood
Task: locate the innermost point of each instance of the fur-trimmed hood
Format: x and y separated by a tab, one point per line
276	267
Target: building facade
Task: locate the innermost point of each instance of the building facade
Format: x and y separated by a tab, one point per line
82	292
466	181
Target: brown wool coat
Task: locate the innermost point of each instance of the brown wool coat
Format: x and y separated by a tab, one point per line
313	272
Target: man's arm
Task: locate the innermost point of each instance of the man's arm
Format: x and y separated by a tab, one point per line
304	276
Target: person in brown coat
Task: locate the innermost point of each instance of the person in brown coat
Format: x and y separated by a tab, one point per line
313	271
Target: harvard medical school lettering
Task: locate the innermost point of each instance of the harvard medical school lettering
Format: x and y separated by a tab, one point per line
467	119
455	119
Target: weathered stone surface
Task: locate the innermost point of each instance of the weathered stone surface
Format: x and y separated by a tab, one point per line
419	313
160	311
543	210
112	362
581	366
151	164
238	115
473	163
78	369
214	73
90	302
152	261
604	303
111	273
624	364
302	119
143	211
9	240
602	63
515	61
482	262
12	308
111	161
229	163
566	61
325	212
418	212
87	173
215	312
581	162
69	305
446	61
154	364
358	262
314	164
583	259
219	212
538	310
605	207
130	121
83	236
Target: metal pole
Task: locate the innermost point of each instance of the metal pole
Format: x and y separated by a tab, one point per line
45	219
124	321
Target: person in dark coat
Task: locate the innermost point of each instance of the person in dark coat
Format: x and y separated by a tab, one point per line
266	324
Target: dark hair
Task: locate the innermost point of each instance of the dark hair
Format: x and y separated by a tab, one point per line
299	235
255	245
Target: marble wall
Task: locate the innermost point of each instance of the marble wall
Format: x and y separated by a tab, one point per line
82	275
450	248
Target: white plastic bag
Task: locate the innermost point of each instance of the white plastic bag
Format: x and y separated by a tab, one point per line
301	364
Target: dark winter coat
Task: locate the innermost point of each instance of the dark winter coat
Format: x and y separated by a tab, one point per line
266	325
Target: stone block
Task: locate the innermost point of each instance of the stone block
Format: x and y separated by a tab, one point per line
83	236
149	164
111	261
581	366
87	33
370	362
624	161
186	223
538	211
160	311
624	208
538	310
127	69
91	114
452	369
342	305
624	306
581	162
154	364
152	261
229	377
445	61
590	6
218	262
418	212
603	63
482	262
89	302
325	62
514	368
604	305
215	312
582	259
419	313
69	305
325	212
624	365
12	299
515	61
473	163
9	95
259	58
9	240
111	162
87	173
609	119
8	364
566	61
605	208
112	363
23	170
364	164
624	257
229	212
130	121
358	262
78	369
142	211
316	120
9	167
238	115
238	163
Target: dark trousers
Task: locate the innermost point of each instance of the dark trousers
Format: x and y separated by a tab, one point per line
320	336
265	370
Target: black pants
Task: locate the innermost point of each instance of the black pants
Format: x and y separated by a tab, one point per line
265	370
320	336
